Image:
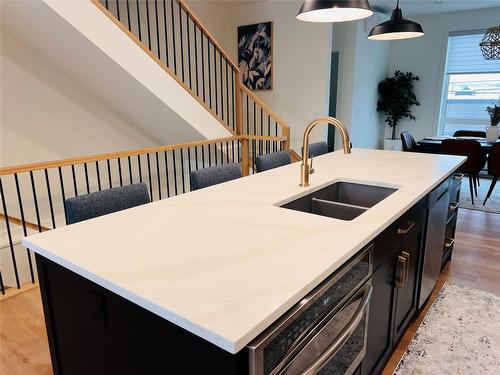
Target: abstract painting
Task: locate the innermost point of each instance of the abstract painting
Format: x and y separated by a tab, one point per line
255	55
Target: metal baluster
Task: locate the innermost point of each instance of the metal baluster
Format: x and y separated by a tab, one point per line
21	210
221	87
118	10
129	169
147	21
167	174
98	175
254	148
189	51
209	156
165	30
157	30
248	117
196	156
2	287
106	4
182	171
196	59
139	167
86	177
74	179
203	155
61	182
139	20
276	132
227	152
268	145
261	143
175	171
222	153
173	36
203	65
209	73
215	82
189	161
227	95
158	174
109	173
9	234
181	42
232	149
239	152
128	16
51	206
149	175
215	153
233	100
120	171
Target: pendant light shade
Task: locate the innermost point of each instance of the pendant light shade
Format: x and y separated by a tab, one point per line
490	44
334	11
396	28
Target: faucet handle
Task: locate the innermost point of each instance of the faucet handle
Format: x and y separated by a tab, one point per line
311	169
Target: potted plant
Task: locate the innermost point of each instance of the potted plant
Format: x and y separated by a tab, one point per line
396	99
492	131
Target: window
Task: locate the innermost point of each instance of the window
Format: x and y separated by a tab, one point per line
471	84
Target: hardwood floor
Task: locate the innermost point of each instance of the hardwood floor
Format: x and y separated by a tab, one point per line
476	263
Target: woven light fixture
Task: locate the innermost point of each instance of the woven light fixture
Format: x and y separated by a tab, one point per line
490	44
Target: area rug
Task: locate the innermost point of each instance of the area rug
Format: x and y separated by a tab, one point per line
460	335
493	203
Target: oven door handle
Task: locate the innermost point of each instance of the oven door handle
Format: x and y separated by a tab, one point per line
344	335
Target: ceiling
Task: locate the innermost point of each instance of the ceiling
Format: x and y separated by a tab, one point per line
410	7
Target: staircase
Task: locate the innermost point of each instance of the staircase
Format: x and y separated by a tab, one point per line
170	34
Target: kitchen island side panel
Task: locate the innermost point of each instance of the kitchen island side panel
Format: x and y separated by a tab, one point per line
94	331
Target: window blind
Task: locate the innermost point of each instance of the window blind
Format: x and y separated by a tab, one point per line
464	54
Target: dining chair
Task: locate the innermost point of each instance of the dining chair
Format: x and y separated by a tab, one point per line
214	175
272	160
493	168
317	149
408	142
104	202
475	159
469	133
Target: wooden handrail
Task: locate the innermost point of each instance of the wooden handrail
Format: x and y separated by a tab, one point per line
27	224
111	155
295	157
122	154
282	123
205	31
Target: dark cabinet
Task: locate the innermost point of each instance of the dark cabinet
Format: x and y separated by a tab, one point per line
395	286
451	223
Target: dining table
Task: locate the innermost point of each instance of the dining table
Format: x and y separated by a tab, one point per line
432	145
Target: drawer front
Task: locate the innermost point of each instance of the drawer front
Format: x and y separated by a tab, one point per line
387	242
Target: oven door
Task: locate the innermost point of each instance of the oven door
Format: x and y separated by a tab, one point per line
340	346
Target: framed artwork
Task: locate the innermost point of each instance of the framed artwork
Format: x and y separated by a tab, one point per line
255	53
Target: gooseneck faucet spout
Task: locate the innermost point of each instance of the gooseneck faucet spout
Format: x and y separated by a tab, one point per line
305	169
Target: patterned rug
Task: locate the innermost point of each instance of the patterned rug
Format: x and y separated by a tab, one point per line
493	203
460	335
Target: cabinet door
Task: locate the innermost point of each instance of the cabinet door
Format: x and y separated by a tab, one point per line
406	281
379	343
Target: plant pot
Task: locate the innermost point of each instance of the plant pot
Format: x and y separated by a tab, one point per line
392	144
492	133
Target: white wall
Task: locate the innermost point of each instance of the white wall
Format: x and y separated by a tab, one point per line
363	64
301	58
426	58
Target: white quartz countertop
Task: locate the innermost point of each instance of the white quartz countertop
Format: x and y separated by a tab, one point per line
225	262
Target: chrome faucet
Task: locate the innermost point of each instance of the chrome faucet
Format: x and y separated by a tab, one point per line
305	169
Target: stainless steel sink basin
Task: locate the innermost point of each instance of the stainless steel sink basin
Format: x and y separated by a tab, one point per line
341	200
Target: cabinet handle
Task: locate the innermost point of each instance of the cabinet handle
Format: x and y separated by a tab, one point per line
454	206
406	230
404	269
458	176
449	242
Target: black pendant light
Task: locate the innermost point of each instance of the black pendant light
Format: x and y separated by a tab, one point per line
396	28
334	10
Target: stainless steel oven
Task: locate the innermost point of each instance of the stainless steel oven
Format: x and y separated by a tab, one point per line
323	334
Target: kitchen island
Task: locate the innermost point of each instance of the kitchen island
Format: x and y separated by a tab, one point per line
217	266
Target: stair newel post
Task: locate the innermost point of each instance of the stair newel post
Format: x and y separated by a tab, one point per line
245	170
286	133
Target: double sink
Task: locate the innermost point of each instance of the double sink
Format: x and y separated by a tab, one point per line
341	200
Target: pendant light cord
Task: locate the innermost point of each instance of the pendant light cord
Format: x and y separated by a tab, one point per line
397	5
